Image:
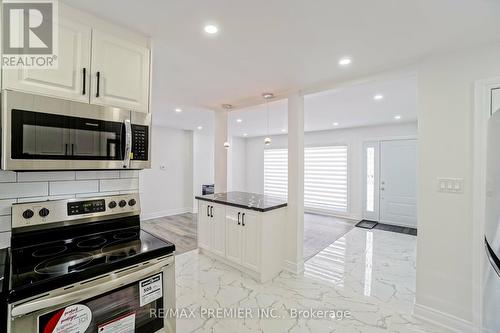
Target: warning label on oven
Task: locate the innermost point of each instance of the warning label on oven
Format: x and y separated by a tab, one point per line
151	289
124	324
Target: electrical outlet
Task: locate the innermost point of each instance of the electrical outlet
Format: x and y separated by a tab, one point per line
451	185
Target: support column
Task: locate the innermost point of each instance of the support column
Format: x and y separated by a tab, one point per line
295	222
220	153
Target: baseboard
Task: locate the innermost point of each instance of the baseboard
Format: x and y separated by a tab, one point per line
444	320
167	212
294	267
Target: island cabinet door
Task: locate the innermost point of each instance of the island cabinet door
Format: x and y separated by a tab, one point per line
218	230
204	225
251	246
233	235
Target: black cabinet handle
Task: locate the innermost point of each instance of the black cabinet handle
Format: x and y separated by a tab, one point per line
65	149
72	149
98	83
84	81
208	211
243	219
211	211
239	218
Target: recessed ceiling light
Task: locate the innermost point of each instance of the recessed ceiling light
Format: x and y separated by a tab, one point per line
178	110
378	97
200	128
345	61
239	120
211	29
283	130
397	117
245	134
335	124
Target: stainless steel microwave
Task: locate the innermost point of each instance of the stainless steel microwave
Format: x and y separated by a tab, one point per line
44	133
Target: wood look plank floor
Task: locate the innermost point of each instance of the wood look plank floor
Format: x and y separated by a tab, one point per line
319	231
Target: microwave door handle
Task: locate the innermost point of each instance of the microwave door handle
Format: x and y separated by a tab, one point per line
86	293
128	143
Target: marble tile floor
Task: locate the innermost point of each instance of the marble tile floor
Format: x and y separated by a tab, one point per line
367	277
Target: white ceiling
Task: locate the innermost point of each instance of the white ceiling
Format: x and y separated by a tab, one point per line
351	106
283	45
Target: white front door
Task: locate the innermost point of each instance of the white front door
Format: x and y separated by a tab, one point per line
398	182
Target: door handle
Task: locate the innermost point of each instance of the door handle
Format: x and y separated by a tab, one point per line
84	81
72	149
208	211
65	149
239	218
128	143
98	75
211	211
243	219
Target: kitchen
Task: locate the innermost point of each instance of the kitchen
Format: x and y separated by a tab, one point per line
108	139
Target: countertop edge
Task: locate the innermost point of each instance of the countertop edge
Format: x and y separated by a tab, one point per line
261	210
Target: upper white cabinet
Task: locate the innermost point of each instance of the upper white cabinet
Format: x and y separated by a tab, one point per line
120	72
71	79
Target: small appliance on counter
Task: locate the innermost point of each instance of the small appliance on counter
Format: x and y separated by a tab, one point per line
44	133
207	189
85	264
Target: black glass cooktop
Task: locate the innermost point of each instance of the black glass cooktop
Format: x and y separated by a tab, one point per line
56	263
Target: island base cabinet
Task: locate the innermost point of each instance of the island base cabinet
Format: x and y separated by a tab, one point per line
250	241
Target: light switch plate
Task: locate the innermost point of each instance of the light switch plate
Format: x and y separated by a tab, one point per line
451	185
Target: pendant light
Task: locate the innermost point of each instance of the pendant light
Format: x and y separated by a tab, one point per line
267	97
228	108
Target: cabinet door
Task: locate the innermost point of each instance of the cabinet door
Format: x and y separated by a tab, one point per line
120	73
251	241
67	81
233	236
218	230
203	225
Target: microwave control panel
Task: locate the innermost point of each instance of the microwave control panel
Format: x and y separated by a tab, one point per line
140	142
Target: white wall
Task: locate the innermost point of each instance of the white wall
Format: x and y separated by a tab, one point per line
353	137
445	244
168	191
203	162
17	187
236	165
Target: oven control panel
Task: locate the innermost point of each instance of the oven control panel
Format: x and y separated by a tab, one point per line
86	207
140	142
32	214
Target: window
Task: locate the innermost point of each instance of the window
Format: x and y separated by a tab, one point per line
370	179
276	172
325	177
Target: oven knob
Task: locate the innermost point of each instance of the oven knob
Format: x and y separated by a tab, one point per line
28	213
132	202
44	212
122	203
112	204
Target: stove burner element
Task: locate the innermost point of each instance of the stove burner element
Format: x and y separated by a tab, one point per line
49	251
91	243
125	235
64	264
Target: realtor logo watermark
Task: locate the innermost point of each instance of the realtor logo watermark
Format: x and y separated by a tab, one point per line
30	34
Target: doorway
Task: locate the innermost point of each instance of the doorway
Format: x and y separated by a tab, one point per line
390	182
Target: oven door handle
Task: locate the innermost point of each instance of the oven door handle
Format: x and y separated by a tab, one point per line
87	293
128	143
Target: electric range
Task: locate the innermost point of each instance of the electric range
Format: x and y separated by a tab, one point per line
86	263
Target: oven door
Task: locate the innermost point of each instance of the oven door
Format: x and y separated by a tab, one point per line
131	300
42	133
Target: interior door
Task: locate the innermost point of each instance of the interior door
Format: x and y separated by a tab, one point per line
69	80
251	241
120	73
495	100
203	225
218	230
233	235
398	182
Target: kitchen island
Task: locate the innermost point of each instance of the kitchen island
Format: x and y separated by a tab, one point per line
244	230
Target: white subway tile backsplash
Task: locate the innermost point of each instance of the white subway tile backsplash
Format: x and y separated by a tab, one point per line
104	174
45	176
7	176
4	239
18	190
96	194
119	184
50	197
5	223
5	206
129	174
77	186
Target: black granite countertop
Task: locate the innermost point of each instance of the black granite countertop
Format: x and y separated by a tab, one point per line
253	201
